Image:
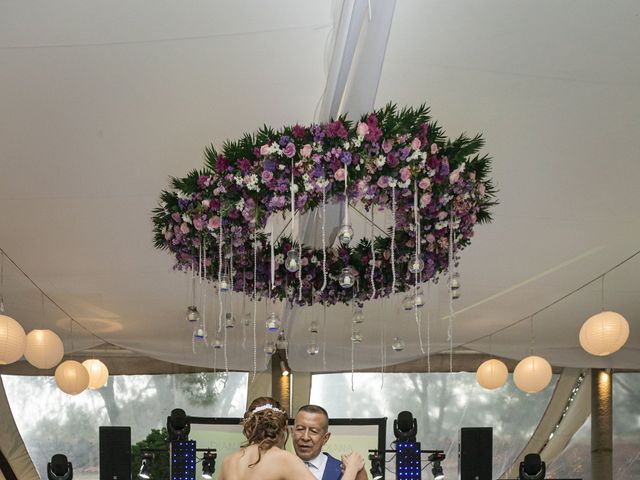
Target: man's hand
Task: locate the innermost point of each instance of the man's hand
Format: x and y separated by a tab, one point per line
353	461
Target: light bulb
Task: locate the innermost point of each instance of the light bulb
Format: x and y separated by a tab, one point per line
455	294
356	336
418	298
407	303
313	326
312	348
416	264
358	315
292	262
224	283
282	343
346	278
200	333
455	281
217	343
345	235
273	322
270	348
229	320
192	314
398	344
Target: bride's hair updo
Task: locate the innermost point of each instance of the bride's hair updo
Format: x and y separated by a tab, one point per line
263	423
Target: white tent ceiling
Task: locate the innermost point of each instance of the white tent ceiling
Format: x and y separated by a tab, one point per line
102	102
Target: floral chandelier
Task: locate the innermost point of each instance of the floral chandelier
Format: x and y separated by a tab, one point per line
213	220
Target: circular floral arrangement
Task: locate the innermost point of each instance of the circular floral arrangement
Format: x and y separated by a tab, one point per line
438	190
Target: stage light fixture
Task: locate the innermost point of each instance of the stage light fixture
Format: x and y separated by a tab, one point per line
178	426
377	472
209	464
145	468
405	427
59	468
532	468
436	459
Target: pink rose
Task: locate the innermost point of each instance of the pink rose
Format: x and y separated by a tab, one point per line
339	175
416	143
214	223
424	183
473	219
455	176
168	235
184	228
383	182
306	151
386	146
430	237
405	174
425	200
206	203
442	215
304	261
434	149
362	129
290	150
264	150
481	189
267	176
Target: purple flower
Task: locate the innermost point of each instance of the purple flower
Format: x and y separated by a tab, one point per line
267	175
244	165
392	160
374	132
284	139
290	150
176	217
269	165
221	163
318	171
298	131
336	129
346	158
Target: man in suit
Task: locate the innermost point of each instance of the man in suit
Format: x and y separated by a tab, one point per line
310	432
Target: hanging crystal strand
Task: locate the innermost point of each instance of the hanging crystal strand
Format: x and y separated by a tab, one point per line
353	348
255	302
418	273
324	235
220	244
244	303
450	269
2	283
428	327
300	272
204	317
226	360
273	258
373	257
231	272
393	239
324	336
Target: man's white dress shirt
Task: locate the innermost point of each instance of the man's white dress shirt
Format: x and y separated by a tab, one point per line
317	465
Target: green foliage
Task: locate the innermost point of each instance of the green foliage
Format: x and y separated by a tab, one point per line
156	440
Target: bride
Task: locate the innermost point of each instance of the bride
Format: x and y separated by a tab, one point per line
262	456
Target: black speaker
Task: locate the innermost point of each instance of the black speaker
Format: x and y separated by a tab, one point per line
115	453
475	454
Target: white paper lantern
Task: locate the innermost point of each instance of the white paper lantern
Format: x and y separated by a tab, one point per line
492	374
12	340
72	377
604	333
44	349
98	373
532	374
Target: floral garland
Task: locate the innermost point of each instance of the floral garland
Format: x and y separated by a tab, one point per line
389	158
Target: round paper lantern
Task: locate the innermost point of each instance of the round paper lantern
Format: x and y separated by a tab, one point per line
492	374
12	340
532	374
604	333
72	377
98	373
44	349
